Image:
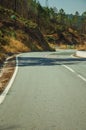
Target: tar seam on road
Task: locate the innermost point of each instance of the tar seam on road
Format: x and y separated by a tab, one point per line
3	95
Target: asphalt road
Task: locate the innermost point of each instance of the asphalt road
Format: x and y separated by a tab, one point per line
49	93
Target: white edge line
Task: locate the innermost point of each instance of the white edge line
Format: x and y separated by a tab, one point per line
68	68
3	95
82	77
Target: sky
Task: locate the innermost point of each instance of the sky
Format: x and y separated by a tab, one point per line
69	6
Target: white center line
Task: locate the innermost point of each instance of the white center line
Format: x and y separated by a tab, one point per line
69	68
80	76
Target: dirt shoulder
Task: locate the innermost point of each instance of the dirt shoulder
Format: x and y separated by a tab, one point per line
6	72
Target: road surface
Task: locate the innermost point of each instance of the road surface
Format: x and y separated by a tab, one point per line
49	93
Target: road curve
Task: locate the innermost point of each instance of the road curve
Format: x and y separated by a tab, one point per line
81	54
49	93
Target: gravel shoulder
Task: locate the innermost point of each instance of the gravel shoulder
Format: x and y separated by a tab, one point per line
6	72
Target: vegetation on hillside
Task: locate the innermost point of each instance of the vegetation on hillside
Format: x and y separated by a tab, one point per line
48	19
58	27
18	34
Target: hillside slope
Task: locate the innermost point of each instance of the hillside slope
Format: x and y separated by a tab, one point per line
19	35
68	38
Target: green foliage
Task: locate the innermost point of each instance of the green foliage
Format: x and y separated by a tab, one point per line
46	18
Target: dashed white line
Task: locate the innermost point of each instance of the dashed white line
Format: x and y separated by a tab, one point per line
80	76
68	68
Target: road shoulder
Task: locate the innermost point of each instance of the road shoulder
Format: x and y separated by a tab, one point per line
6	72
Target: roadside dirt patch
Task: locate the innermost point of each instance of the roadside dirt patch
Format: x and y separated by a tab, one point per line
7	72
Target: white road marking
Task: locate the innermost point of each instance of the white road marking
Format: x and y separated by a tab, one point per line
80	76
67	67
3	95
70	69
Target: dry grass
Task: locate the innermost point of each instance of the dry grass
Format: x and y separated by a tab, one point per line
52	45
2	56
63	46
81	47
15	46
37	46
78	47
7	73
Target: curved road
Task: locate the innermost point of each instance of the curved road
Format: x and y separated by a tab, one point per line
49	93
